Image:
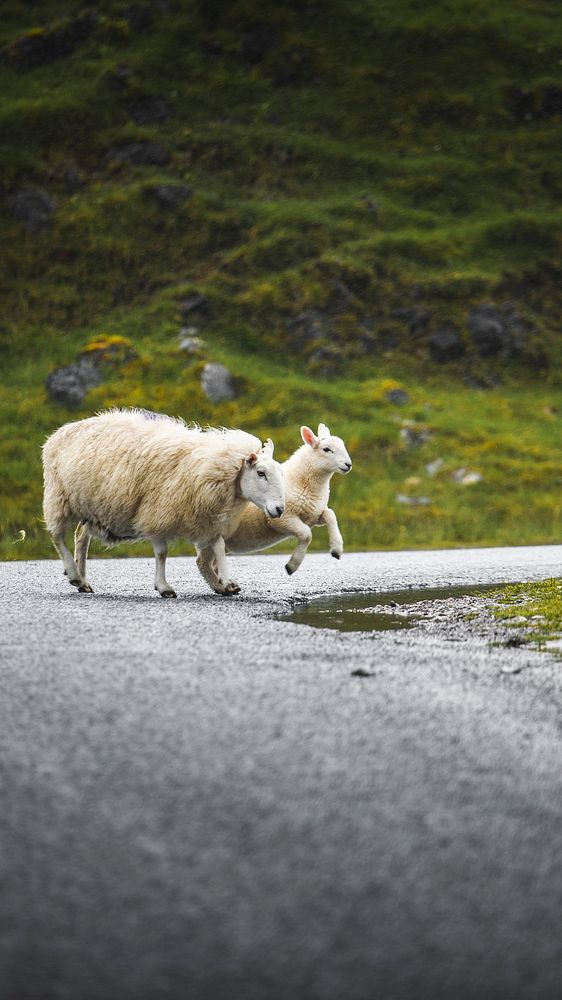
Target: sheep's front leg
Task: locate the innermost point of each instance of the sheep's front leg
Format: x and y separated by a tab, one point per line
335	539
160	582
212	564
303	534
82	538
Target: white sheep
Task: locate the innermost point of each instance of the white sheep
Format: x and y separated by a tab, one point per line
131	475
307	474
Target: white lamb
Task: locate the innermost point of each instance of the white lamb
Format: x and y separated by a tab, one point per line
131	475
307	474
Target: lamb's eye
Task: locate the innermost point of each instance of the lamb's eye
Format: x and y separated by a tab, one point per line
327	449
261	474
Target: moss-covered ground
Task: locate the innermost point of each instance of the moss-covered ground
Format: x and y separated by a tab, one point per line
533	609
386	165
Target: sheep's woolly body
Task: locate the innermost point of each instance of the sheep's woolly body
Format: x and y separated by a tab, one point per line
307	491
131	476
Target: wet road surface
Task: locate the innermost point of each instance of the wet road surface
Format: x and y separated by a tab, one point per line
200	801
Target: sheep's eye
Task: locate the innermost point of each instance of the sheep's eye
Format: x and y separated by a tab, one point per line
327	449
261	474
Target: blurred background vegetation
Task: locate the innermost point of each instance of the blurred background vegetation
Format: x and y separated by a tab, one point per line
353	205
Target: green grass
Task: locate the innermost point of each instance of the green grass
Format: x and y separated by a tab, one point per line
539	603
369	147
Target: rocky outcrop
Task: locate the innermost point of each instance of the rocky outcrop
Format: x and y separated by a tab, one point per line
497	330
69	385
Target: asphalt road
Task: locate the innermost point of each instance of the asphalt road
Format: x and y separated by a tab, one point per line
201	802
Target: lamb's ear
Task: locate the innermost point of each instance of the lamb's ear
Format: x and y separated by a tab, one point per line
252	458
309	437
268	448
323	431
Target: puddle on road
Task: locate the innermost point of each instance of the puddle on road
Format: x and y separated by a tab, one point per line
362	612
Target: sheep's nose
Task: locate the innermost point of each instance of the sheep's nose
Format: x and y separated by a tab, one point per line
348	465
279	509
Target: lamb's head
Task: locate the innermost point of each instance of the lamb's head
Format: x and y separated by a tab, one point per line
261	481
330	453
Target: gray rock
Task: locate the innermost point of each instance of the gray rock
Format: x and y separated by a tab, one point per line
70	384
32	206
466	477
217	383
189	343
171	196
446	344
194	303
398	396
143	154
409	501
432	468
413	437
497	330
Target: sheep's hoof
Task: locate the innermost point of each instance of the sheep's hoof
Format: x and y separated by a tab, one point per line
75	583
336	555
85	589
167	593
289	569
232	588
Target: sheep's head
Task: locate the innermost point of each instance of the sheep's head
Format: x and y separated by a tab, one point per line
261	481
330	453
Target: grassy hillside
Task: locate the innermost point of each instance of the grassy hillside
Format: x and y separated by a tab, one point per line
340	181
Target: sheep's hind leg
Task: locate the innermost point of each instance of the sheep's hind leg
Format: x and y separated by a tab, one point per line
70	568
160	582
82	538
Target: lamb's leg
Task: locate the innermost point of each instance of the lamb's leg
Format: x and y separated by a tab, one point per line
208	563
335	539
82	538
222	570
303	534
160	582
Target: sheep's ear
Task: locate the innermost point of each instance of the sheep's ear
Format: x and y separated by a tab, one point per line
252	458
323	431
268	448
309	437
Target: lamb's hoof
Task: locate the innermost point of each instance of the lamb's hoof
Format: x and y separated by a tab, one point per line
232	588
167	593
289	569
336	555
76	583
85	589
